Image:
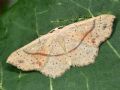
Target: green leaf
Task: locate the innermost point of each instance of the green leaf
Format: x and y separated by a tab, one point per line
27	19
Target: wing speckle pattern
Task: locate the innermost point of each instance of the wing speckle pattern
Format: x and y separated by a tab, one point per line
76	44
83	55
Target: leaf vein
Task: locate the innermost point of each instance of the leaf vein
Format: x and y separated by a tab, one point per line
1	74
114	50
87	81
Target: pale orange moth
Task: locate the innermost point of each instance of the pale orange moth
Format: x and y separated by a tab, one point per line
76	44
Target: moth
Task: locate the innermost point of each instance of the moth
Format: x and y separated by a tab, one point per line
76	44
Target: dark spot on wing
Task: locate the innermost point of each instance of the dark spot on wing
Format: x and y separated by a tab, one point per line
20	61
104	26
93	40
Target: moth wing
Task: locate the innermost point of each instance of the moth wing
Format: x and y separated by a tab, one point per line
88	49
75	33
83	55
27	62
102	30
56	65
